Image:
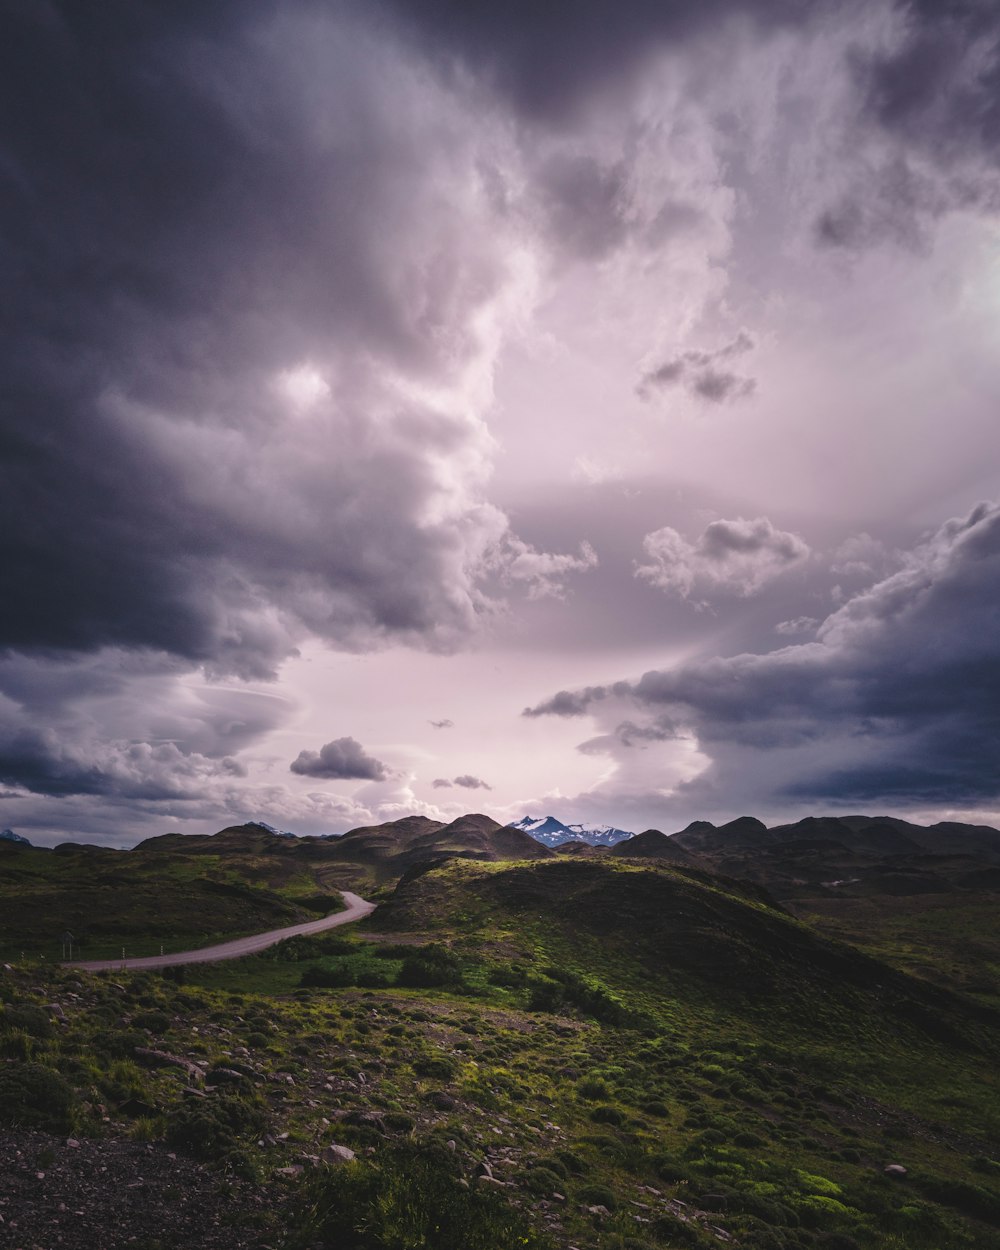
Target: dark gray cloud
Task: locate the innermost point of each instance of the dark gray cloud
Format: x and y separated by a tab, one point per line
927	138
119	724
898	698
344	759
575	702
939	86
442	724
467	782
546	58
39	763
704	374
204	329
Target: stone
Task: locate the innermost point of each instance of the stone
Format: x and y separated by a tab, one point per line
894	1169
335	1154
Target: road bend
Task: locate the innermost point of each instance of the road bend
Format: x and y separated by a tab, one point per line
357	908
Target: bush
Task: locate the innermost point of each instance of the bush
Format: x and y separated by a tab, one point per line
399	1122
430	967
209	1128
542	1180
606	1114
402	1198
597	1196
154	1021
670	1169
592	1087
27	1018
435	1067
34	1096
335	978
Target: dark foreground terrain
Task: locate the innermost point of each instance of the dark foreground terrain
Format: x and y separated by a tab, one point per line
606	1052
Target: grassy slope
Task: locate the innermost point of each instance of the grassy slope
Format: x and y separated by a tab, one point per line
643	1040
950	939
169	892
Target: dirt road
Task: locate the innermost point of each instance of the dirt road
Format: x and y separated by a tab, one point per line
356	909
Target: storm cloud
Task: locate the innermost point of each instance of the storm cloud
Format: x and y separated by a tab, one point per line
898	696
215	364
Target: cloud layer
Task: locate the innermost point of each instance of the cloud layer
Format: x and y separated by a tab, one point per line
897	698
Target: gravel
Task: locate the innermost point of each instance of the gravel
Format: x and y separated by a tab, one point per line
67	1194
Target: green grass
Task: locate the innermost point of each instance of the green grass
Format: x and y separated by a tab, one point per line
582	1037
142	900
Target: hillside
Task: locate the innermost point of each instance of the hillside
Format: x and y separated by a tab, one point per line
652	844
924	898
172	891
606	1052
178	890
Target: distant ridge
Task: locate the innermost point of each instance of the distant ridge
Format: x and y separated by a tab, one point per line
400	844
652	844
8	835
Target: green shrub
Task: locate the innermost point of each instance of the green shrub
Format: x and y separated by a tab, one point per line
436	1067
16	1045
154	1021
607	1114
323	977
597	1196
430	967
572	1162
34	1096
592	1087
542	1180
209	1128
27	1018
399	1122
117	1043
670	1169
403	1198
655	1108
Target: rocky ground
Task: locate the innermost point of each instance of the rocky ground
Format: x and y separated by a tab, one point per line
67	1194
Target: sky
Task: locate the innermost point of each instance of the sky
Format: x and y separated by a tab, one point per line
432	406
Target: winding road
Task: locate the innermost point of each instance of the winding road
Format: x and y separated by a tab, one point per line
357	908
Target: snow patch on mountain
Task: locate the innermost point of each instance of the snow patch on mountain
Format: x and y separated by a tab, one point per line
552	832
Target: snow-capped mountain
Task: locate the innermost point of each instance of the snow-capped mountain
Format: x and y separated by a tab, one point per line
552	832
279	833
9	835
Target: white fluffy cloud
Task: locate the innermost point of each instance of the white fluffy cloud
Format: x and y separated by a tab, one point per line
735	557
